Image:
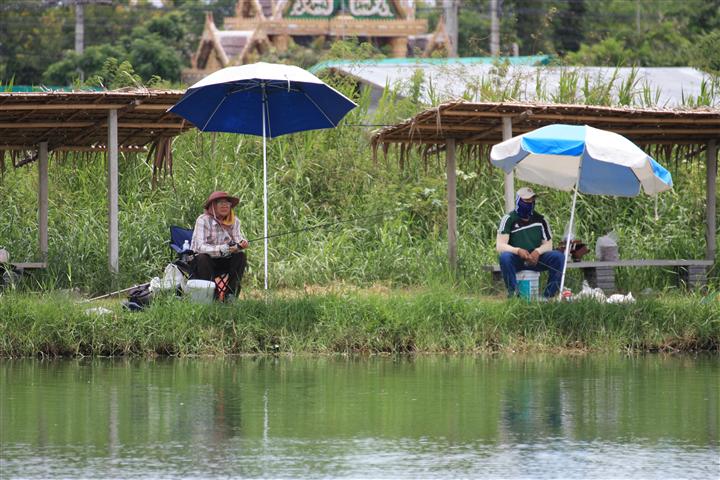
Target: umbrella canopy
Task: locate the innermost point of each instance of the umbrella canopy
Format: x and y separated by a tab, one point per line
264	99
583	159
232	99
593	160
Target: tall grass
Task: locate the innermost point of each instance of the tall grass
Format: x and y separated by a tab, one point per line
322	176
352	321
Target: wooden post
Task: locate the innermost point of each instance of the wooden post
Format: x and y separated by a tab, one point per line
43	199
398	47
452	204
509	177
711	209
112	157
282	43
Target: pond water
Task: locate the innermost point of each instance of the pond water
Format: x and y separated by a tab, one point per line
409	417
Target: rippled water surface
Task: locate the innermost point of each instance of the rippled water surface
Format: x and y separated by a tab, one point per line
509	417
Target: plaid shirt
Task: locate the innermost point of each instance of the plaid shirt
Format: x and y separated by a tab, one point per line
208	235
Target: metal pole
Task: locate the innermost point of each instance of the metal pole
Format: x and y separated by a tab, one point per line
568	240
509	177
79	27
43	199
265	189
494	29
452	204
112	156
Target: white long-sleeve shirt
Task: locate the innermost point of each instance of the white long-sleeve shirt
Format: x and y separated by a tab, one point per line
209	235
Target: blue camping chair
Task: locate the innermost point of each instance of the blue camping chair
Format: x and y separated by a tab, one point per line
178	236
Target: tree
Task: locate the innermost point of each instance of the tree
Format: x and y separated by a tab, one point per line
706	55
31	37
91	62
531	22
568	27
151	56
611	52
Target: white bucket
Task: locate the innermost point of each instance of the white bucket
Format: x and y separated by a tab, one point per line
200	291
528	284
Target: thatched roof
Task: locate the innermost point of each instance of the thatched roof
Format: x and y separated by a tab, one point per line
481	123
78	120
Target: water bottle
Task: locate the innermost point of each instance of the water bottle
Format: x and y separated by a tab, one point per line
186	246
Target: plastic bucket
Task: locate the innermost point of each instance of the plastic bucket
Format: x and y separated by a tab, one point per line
200	291
528	282
609	253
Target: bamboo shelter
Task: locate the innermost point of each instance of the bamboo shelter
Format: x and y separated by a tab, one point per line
32	125
691	133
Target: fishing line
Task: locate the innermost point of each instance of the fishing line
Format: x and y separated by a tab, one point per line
327	224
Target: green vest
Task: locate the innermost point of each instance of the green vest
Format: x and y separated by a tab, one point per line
528	234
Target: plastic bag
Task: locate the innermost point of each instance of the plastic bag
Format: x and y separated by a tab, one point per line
620	298
4	256
606	247
569	233
173	279
589	292
97	311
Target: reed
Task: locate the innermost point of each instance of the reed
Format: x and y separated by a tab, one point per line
324	176
350	320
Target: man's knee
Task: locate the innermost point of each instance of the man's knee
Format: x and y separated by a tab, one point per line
555	257
506	258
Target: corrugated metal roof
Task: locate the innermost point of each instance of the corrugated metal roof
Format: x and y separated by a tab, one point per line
662	87
396	62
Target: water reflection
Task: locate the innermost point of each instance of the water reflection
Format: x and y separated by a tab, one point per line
359	417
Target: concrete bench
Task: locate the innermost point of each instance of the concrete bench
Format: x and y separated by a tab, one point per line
691	273
29	265
17	270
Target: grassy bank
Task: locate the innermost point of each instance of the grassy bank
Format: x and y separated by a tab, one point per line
356	321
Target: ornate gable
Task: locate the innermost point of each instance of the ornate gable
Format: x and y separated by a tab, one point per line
384	9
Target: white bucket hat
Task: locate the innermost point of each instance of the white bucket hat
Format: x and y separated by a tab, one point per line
526	193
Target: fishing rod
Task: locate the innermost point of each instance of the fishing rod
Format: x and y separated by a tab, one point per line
289	232
326	224
117	292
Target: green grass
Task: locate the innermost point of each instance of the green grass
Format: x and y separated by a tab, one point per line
349	320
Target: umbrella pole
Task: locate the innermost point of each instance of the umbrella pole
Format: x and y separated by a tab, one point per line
265	192
568	240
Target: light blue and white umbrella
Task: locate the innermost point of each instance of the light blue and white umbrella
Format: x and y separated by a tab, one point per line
583	159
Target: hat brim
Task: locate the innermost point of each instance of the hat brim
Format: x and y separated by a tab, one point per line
233	201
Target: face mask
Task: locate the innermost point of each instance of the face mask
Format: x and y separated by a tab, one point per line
524	209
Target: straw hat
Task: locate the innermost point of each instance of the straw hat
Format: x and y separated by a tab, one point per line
218	195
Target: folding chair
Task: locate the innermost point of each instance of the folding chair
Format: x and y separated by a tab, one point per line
222	286
178	237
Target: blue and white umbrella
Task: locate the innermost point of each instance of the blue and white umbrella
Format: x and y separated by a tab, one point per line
583	159
264	99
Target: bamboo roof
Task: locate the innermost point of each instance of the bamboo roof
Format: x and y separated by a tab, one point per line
77	121
481	123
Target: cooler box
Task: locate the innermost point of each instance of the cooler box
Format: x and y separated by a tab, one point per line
528	282
200	291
